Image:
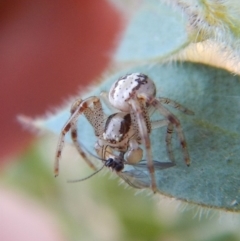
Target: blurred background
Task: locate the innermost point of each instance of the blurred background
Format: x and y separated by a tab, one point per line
49	50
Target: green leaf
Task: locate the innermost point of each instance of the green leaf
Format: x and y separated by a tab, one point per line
212	134
155	32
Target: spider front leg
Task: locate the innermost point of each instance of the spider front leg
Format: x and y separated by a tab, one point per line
102	150
77	109
95	116
74	136
142	124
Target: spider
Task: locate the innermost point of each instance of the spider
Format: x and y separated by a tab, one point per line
134	96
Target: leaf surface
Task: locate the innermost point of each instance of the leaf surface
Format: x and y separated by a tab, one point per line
212	134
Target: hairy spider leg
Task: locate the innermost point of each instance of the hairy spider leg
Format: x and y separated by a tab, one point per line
141	119
170	127
175	105
168	140
74	136
74	133
175	122
71	123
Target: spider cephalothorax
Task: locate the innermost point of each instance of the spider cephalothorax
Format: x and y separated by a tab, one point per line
133	95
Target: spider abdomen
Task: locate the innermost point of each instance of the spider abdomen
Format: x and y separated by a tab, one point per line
129	87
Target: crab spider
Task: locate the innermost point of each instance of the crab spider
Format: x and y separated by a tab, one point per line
133	95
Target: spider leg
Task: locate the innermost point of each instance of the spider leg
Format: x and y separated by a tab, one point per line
74	135
160	123
175	105
139	113
169	142
174	120
96	117
76	110
60	145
